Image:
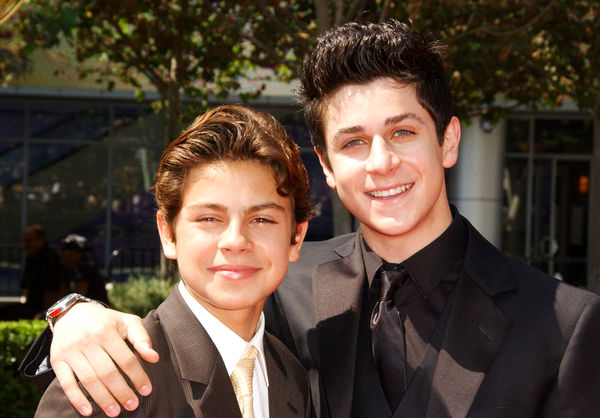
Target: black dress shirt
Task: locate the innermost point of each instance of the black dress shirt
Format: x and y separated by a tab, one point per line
420	300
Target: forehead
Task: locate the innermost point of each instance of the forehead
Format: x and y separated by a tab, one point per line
30	235
367	105
233	183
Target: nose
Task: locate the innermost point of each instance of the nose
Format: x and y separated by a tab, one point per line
234	238
381	157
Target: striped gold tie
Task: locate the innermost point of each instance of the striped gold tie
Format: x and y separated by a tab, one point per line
241	378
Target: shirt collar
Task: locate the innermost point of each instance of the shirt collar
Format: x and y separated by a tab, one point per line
231	346
440	260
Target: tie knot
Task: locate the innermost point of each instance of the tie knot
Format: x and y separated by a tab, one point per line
390	279
245	365
250	354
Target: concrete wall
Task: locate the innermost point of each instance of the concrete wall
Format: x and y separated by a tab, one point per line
475	183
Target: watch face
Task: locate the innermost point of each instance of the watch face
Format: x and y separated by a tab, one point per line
61	305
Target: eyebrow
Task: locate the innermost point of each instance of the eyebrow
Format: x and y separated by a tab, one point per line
403	116
247	210
389	121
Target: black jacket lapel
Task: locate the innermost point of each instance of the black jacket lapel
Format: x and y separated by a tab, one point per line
337	289
475	332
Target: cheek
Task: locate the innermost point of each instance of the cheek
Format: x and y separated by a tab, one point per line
277	250
195	245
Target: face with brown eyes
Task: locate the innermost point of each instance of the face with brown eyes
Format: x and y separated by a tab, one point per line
387	165
232	238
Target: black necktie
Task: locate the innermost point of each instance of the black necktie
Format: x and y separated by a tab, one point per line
387	337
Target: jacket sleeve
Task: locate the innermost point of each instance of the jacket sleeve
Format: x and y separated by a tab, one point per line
38	353
575	391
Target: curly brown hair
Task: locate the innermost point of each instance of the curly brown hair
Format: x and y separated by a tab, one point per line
233	133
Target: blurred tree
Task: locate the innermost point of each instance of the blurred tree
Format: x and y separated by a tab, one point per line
501	54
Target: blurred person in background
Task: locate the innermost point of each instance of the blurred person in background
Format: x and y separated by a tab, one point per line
41	279
79	269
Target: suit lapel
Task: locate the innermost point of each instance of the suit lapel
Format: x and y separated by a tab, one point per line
197	360
282	400
337	287
219	395
475	331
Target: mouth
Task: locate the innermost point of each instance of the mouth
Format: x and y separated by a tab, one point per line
235	272
391	192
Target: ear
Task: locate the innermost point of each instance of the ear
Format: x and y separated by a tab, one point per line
167	238
329	177
294	253
450	144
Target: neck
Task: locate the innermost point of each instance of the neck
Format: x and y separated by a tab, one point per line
241	321
397	248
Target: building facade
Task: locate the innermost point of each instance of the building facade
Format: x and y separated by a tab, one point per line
83	161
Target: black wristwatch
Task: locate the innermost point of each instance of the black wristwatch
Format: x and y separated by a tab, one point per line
63	305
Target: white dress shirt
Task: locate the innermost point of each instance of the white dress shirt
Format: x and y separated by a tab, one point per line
232	347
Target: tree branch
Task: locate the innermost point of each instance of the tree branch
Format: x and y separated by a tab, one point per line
487	30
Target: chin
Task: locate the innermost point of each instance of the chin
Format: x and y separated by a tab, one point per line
392	227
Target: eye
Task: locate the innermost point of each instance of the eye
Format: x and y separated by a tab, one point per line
262	220
403	133
207	219
353	143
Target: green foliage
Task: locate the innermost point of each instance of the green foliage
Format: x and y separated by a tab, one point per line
18	397
500	54
139	295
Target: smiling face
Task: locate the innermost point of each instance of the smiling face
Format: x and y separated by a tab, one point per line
232	239
387	165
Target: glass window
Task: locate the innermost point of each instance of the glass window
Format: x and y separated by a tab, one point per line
321	226
68	122
517	135
140	125
571	214
139	143
67	193
12	120
10	214
564	136
133	206
11	163
515	204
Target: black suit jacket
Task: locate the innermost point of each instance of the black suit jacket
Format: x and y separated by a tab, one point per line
517	342
191	380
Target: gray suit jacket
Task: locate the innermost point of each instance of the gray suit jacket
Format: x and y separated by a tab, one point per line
517	342
191	380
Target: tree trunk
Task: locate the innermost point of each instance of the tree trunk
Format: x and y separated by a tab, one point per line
322	14
594	239
171	102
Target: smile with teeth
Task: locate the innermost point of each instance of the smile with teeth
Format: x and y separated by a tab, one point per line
391	192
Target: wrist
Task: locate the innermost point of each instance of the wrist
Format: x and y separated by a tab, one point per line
63	305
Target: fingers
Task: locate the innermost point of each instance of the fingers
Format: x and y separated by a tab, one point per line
139	338
88	343
128	362
106	383
71	388
98	374
132	328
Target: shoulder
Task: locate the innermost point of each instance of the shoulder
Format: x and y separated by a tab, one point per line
317	252
526	294
285	360
546	305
